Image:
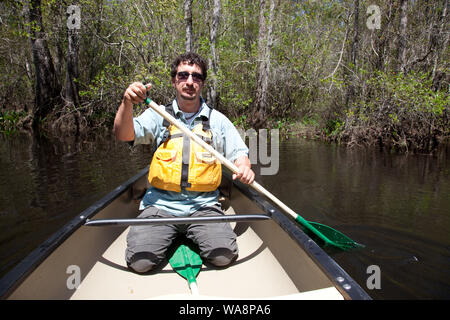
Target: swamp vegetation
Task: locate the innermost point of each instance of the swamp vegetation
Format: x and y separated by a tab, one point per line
356	72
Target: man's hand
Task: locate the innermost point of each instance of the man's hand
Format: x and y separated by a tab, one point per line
245	174
123	122
136	92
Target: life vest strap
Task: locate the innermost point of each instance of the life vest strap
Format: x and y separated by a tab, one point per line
185	162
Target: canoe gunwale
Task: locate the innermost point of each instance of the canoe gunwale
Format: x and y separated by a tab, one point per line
343	282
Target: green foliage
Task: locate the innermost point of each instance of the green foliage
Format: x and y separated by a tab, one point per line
313	84
9	121
400	110
333	128
240	121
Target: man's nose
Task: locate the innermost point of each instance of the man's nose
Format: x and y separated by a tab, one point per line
190	79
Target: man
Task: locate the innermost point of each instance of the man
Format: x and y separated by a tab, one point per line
182	188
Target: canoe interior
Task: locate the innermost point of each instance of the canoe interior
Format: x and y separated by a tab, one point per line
270	264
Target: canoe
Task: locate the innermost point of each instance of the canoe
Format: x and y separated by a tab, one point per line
277	260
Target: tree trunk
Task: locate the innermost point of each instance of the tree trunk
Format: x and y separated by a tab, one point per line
383	39
350	78
213	58
247	27
47	87
445	36
264	50
401	57
72	74
354	53
73	43
188	21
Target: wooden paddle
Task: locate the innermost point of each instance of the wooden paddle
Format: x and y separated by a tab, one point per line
330	236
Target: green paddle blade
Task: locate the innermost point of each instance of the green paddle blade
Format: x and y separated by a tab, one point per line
186	263
328	235
339	239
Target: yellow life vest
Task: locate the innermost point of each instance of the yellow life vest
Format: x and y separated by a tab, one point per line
180	162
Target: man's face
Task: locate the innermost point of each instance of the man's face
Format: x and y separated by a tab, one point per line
188	81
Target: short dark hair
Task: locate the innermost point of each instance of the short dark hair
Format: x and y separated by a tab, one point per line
190	58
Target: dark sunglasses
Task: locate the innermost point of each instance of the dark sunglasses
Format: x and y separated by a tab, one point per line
184	75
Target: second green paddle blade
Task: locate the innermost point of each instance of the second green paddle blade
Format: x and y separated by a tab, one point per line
186	262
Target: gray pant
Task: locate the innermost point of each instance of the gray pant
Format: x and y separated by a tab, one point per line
147	245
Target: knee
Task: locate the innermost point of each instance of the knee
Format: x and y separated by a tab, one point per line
221	257
142	262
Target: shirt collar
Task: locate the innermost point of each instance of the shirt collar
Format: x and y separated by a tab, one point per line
204	109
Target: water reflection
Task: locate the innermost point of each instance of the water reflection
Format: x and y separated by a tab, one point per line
44	183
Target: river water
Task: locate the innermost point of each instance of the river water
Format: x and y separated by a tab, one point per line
397	206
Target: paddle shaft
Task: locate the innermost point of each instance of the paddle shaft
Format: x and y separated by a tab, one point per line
230	165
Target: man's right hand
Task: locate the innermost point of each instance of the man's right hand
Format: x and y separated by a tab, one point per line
136	93
123	122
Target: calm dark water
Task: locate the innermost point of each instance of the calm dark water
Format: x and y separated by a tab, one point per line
44	184
398	206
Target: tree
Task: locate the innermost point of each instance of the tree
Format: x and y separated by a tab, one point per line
188	22
72	72
264	49
47	86
213	58
441	34
403	26
353	56
354	52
